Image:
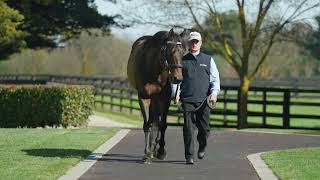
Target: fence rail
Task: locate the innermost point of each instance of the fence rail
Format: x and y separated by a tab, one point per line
280	107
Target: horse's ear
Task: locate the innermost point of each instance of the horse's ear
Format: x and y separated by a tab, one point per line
184	33
171	32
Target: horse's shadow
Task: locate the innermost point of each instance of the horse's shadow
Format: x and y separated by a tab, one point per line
126	158
56	152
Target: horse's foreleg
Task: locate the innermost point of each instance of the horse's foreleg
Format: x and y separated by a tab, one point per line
161	154
155	129
154	137
145	106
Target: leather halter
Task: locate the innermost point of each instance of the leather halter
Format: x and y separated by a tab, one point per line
168	66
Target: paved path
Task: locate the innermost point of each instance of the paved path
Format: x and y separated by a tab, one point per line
226	156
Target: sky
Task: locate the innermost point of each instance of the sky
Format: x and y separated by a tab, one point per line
136	31
132	33
129	34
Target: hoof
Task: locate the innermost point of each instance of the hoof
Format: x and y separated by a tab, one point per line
161	154
147	159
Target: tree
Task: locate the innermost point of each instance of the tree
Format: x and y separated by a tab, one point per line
257	33
11	38
48	22
313	42
87	55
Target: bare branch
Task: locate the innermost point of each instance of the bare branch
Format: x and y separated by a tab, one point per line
243	24
260	18
227	47
294	15
271	42
221	50
195	19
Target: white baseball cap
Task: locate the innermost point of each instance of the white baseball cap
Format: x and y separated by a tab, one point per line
194	35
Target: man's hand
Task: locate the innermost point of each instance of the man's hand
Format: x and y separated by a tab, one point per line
177	99
213	99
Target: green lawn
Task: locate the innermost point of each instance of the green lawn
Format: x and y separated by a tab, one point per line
46	153
297	164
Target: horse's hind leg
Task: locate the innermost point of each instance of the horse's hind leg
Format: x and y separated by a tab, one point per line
145	106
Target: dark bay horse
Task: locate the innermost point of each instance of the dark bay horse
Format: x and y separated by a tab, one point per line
154	63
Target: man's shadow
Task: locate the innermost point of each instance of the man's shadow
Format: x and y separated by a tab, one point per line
134	159
88	155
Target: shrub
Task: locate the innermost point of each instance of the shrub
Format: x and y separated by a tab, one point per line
40	106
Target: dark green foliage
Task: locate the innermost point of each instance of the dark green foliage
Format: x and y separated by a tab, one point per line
313	42
231	26
11	38
39	106
50	21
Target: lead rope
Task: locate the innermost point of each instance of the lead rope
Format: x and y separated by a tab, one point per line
212	106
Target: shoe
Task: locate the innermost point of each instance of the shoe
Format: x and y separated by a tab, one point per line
201	154
189	161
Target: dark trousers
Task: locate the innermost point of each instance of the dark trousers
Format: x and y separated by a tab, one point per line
199	119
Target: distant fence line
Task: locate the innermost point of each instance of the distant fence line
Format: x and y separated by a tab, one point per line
292	83
113	92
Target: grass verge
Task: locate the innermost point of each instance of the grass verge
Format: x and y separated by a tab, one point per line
121	117
286	131
298	164
137	120
46	153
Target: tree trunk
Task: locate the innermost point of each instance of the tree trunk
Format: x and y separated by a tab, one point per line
243	103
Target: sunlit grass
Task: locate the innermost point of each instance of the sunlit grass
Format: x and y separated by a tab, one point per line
46	153
298	164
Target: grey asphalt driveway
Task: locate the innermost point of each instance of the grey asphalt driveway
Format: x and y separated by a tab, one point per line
226	156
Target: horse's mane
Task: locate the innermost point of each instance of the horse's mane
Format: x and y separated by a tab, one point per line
158	39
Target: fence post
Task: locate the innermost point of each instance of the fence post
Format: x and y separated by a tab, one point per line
95	95
111	95
238	108
131	101
286	109
121	95
264	107
225	121
102	97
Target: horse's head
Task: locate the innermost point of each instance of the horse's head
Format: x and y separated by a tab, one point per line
173	51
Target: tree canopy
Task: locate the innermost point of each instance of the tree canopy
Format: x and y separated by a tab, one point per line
46	23
313	42
11	37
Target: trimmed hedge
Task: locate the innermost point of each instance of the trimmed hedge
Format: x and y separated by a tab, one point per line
40	106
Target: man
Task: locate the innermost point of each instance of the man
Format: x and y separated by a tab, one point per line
200	83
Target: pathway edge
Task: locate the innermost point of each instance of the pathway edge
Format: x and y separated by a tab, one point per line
84	165
262	169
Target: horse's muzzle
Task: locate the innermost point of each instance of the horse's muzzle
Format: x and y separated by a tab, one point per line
175	80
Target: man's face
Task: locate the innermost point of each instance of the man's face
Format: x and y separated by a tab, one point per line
194	45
